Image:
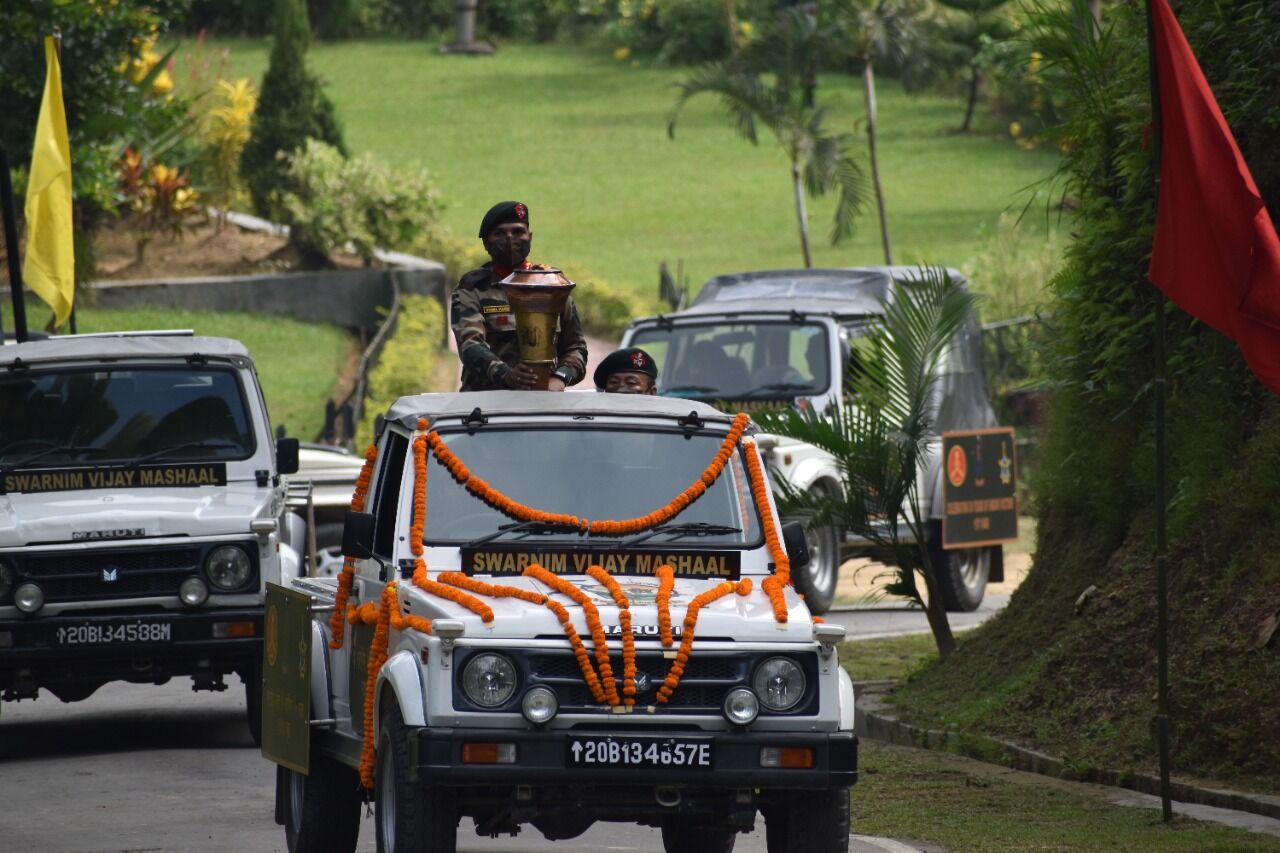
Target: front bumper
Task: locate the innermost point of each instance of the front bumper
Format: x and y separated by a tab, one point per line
146	646
541	759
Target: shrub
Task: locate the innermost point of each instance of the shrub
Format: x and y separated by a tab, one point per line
291	109
333	201
227	112
408	361
604	308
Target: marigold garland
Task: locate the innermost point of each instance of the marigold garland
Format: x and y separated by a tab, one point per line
666	583
628	639
449	593
462	581
364	614
337	623
592	614
575	642
377	657
772	585
701	600
514	509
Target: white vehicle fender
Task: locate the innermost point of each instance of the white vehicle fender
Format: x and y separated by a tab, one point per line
321	682
846	701
290	564
402	674
809	471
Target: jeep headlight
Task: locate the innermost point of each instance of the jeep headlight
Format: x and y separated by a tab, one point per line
489	680
779	682
228	567
7	577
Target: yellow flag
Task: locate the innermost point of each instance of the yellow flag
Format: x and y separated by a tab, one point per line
49	268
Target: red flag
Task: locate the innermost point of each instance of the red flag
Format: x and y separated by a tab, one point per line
1216	253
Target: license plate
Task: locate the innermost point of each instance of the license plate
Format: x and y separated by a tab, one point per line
109	633
689	753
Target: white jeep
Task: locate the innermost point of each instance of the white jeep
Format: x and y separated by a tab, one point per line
787	338
563	609
141	514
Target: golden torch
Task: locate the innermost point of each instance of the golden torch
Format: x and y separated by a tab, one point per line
537	296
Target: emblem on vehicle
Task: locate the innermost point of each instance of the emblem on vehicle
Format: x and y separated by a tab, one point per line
642	682
110	574
120	533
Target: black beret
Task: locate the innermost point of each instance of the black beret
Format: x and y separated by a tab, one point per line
502	213
631	359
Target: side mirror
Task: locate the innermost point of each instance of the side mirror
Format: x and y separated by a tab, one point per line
286	455
357	535
793	539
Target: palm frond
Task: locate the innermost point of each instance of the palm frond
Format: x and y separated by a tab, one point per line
745	98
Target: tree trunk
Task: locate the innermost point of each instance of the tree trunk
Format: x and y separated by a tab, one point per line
974	79
869	94
802	215
731	21
1095	10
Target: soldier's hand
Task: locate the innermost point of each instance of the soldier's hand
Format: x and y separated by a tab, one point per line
555	383
522	377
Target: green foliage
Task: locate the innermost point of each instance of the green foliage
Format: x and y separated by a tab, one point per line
292	108
682	31
332	201
1012	270
605	308
408	360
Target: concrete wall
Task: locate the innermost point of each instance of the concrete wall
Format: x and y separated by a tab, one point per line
352	298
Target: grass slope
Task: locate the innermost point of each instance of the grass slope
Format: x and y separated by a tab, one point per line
1082	684
295	388
582	139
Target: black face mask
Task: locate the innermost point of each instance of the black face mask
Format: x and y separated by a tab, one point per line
509	251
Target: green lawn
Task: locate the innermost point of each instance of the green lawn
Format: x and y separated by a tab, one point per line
295	388
582	139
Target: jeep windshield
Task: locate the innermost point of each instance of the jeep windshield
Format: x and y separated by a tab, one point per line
125	414
596	473
747	360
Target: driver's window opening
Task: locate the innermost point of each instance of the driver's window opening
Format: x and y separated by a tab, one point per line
390	477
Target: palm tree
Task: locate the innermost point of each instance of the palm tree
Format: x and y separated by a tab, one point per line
974	24
821	161
878	30
880	437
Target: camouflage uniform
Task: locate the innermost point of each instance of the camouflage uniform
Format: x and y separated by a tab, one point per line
485	329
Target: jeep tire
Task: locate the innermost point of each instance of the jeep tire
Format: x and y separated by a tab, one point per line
691	835
962	572
251	675
808	822
817	581
410	817
322	808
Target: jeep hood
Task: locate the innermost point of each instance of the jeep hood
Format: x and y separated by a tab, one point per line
57	517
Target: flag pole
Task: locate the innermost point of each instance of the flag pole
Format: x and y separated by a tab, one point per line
1162	584
57	46
11	249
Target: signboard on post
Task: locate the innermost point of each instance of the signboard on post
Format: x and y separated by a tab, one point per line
286	669
979	488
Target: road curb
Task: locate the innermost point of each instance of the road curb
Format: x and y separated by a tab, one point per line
873	720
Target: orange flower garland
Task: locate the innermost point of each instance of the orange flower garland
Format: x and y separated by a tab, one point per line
377	657
575	642
593	623
449	593
628	639
337	625
520	512
462	581
365	614
666	582
719	591
773	584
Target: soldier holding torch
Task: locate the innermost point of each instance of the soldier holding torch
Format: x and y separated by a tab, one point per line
484	323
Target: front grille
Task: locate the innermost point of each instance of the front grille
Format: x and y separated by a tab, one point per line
702	687
108	574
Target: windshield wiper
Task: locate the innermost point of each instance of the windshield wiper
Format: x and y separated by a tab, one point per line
775	387
165	451
58	448
521	527
699	528
690	389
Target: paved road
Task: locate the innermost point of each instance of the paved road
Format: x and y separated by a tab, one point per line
141	768
868	622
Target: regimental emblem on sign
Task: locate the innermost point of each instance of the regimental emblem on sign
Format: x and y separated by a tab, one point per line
957	466
980	491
